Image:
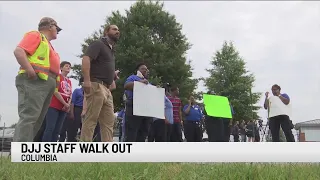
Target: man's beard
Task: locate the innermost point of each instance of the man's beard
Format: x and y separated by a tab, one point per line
114	38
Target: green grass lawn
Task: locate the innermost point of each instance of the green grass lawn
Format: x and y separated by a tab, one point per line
157	171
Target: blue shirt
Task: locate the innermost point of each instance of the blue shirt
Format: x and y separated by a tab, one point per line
121	113
285	96
194	114
232	111
77	97
132	78
168	109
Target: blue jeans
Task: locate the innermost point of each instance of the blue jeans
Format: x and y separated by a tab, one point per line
54	121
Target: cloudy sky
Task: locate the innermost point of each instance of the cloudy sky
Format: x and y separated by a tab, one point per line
278	40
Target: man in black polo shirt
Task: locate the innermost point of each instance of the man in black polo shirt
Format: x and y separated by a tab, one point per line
98	67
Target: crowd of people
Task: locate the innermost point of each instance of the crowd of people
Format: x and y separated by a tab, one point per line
245	132
49	111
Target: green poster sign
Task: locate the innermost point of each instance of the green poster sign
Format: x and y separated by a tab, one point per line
217	106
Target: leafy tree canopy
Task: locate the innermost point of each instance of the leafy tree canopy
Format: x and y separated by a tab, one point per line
229	77
151	35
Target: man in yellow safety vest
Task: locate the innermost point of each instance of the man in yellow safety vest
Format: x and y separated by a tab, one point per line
36	79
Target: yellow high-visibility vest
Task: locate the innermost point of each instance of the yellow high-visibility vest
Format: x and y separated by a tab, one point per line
40	59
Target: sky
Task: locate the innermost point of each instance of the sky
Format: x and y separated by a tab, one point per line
278	40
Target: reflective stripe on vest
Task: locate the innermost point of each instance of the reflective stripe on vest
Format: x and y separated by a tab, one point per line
40	59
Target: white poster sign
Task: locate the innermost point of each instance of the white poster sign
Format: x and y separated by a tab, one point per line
277	107
148	100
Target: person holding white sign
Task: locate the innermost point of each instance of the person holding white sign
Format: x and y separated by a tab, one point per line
278	107
136	127
160	128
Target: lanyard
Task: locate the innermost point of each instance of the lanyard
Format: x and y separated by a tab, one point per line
66	85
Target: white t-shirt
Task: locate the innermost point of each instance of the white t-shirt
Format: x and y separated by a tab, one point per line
277	107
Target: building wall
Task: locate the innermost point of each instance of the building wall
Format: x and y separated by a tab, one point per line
309	134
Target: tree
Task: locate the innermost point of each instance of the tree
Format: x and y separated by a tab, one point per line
153	36
229	77
76	72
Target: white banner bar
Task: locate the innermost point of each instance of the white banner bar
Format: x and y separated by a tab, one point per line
166	152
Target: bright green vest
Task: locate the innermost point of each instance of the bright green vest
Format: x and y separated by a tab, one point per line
40	59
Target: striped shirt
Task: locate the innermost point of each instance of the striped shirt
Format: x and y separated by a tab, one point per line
177	106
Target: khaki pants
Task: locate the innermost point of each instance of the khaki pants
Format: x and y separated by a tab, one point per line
34	97
99	108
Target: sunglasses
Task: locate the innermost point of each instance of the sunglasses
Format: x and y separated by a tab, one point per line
57	27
